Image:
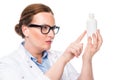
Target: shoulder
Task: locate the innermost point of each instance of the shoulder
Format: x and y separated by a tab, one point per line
11	58
7	63
9	67
7	59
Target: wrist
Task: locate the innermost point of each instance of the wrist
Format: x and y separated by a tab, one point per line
86	58
64	59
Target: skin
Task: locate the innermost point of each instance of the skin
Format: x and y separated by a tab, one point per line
36	43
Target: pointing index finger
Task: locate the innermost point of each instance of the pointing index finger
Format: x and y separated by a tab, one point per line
81	36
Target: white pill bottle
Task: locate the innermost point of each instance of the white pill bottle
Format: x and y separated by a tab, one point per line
91	24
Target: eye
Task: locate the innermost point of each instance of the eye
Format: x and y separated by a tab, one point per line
45	27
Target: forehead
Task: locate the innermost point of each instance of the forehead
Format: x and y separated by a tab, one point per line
43	18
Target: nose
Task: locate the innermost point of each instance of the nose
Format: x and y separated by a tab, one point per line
51	34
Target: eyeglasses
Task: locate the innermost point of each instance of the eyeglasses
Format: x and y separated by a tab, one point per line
45	29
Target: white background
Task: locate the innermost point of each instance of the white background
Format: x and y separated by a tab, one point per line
71	16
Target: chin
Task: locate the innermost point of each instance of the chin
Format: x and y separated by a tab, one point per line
47	48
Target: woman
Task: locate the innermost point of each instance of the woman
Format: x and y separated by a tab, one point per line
34	61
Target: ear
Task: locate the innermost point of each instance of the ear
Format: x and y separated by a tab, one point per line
25	30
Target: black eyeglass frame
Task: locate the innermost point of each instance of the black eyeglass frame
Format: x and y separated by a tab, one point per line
44	25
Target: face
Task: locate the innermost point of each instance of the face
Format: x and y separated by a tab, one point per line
36	39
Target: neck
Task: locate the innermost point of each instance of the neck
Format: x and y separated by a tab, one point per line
37	53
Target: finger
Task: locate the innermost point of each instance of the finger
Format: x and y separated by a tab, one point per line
81	36
75	52
77	49
89	41
95	42
100	40
80	48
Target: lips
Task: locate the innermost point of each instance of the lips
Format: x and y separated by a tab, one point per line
49	41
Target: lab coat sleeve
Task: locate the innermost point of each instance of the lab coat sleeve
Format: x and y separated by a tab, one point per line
70	73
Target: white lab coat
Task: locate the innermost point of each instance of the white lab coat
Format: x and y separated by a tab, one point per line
17	66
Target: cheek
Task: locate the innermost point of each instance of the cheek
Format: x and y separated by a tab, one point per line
36	37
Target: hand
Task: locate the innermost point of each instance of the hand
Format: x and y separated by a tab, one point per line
75	48
93	45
